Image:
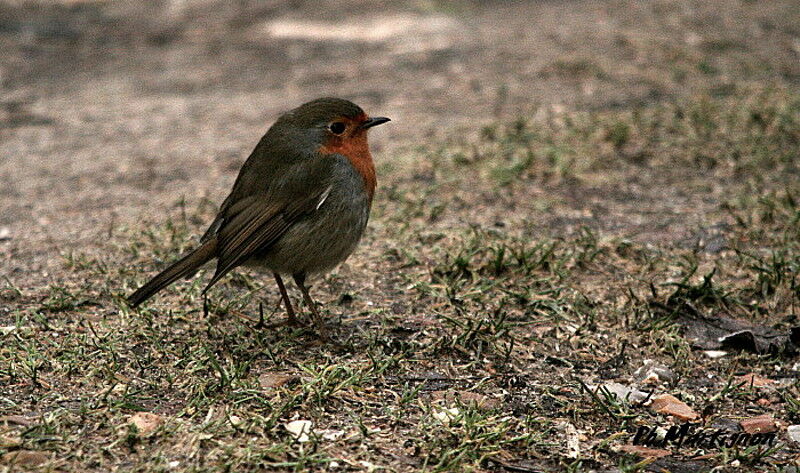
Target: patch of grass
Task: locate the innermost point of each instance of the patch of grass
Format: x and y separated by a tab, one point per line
466	436
460	287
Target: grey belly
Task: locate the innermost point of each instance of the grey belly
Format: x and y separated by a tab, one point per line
323	239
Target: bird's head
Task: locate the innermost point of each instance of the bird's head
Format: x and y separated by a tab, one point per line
333	125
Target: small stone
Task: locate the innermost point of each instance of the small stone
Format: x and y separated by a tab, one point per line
623	392
762	424
299	430
670	405
145	422
653	373
236	421
333	435
793	431
714	354
723	423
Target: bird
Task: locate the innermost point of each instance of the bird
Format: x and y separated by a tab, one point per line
298	207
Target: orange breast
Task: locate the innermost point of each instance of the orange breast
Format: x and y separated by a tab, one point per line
356	150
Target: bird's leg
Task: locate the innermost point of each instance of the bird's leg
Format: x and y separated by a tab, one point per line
285	296
300	279
260	323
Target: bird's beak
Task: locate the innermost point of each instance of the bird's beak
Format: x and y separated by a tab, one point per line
374	121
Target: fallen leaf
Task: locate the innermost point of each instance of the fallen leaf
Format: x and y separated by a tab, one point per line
645	452
709	456
272	380
762	424
480	400
299	429
18	420
754	380
445	416
670	405
145	422
541	330
26	457
719	331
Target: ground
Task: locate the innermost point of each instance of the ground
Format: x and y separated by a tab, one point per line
576	199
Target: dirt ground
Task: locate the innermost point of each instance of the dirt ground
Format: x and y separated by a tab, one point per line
566	189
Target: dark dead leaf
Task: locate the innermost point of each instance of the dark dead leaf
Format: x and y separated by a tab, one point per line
719	332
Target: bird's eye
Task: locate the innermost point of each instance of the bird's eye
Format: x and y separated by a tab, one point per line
337	128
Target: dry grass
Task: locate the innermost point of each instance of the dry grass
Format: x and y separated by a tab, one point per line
544	224
462	348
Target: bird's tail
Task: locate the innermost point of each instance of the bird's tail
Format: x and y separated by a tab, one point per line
181	268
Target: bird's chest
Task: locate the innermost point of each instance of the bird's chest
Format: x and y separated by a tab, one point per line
348	202
357	155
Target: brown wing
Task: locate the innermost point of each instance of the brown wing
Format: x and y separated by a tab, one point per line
254	223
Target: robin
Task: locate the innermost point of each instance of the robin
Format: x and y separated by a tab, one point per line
298	207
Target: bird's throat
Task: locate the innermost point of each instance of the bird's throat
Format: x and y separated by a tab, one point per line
356	150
